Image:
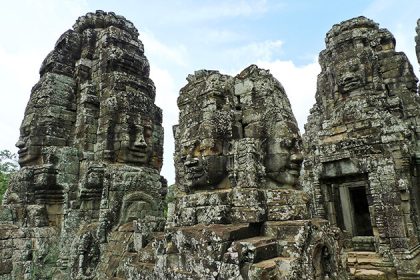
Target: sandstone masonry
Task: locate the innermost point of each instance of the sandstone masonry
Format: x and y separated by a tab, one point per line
252	198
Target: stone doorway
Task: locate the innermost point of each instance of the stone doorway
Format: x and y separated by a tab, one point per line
348	207
361	224
347	203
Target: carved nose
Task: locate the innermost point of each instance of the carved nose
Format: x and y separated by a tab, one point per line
20	144
296	158
140	141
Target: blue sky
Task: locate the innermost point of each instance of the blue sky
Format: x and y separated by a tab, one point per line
180	37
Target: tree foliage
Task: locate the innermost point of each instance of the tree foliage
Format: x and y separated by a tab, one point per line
8	165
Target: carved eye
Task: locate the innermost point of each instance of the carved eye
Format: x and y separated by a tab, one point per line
184	153
198	151
148	132
298	143
24	131
293	142
354	67
287	143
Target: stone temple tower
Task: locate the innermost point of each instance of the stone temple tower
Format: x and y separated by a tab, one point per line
90	149
361	145
239	211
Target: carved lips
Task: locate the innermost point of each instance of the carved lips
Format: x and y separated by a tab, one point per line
349	82
139	153
194	169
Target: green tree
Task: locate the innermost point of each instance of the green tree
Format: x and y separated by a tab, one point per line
8	165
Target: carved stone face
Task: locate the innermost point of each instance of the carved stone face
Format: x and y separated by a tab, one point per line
49	117
29	144
350	76
94	177
204	164
136	147
136	210
283	160
204	130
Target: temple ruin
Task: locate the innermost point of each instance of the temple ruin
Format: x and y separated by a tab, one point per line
238	157
361	147
253	199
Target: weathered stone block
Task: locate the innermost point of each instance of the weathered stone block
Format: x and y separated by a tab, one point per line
10	232
286	212
6	266
6	253
6	215
213	214
248	197
244	214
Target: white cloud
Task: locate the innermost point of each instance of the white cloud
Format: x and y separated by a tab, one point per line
400	22
154	47
405	43
27	37
299	83
166	63
18	73
265	51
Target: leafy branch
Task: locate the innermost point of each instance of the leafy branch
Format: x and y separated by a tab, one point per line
8	165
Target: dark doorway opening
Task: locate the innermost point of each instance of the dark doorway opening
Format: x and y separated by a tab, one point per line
361	218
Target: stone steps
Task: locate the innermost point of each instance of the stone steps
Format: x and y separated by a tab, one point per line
248	247
182	274
284	229
285	233
366	258
257	248
266	251
409	276
369	274
269	269
224	231
366	265
257	240
141	266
